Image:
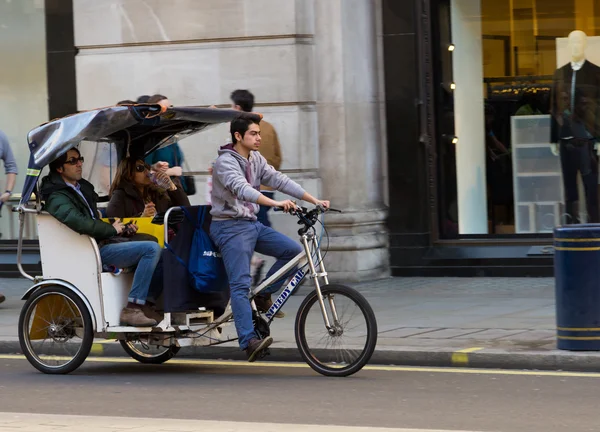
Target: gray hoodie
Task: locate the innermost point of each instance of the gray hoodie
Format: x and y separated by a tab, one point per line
237	180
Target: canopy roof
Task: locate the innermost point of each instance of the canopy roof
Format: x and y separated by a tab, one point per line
135	129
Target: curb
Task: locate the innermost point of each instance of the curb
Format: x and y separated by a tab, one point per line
553	360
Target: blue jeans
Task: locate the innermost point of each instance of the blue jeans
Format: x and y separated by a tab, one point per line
263	212
144	255
237	240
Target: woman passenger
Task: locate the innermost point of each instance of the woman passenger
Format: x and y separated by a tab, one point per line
133	194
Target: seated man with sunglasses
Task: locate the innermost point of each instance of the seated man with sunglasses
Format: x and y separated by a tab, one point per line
73	201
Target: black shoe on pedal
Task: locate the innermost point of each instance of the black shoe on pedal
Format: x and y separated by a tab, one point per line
263	304
256	348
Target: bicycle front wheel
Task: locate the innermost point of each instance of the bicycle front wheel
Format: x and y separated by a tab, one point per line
347	346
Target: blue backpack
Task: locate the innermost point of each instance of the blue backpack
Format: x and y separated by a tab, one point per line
205	265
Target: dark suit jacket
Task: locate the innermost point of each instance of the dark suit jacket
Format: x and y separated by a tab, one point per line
587	102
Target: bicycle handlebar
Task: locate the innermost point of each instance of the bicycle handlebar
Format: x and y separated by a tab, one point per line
304	210
306	217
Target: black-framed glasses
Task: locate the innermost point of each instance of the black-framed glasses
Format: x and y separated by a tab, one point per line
141	168
75	160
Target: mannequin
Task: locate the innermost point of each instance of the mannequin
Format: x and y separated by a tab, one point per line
575	109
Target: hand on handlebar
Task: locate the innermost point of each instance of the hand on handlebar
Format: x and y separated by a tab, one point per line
286	205
323	204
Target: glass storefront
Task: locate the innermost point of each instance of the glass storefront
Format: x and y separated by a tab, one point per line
23	87
518	109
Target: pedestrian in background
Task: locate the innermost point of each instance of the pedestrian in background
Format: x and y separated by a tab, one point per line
10	169
243	100
171	154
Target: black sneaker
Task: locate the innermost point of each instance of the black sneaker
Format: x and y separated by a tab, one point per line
256	347
2	298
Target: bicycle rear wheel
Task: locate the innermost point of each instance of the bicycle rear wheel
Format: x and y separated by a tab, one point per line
146	352
348	345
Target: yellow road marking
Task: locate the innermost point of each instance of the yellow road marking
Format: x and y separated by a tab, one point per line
413	369
583	338
582	329
470	350
97	348
461	357
105	341
583	249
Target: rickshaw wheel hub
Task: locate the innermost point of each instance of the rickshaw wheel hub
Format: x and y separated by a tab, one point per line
60	333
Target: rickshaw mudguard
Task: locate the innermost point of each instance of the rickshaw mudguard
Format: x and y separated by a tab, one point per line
65	284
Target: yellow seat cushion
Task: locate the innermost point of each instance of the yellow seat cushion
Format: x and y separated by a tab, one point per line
146	226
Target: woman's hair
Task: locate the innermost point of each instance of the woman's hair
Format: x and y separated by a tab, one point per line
125	174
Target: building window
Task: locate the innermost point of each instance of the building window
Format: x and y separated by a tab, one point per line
23	90
518	115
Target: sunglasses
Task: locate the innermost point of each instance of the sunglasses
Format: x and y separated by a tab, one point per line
74	160
141	168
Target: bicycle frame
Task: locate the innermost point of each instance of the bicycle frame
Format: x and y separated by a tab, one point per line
300	259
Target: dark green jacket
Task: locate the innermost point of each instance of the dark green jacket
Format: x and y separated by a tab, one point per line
66	205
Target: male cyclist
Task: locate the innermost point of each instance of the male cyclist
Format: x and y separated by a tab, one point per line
237	175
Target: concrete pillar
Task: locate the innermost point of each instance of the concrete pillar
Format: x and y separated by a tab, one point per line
350	141
467	69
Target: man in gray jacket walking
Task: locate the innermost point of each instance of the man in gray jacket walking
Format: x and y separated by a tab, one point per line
237	175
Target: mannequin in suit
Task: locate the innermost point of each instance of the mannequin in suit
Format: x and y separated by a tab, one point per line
575	109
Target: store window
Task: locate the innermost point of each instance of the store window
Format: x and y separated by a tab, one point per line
23	89
518	109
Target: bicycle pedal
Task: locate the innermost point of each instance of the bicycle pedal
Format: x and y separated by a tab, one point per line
264	353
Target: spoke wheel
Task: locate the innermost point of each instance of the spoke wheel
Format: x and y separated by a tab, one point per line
348	345
55	330
146	352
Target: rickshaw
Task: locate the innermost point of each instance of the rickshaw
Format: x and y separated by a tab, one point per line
75	300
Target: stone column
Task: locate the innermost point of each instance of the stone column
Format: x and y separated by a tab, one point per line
350	141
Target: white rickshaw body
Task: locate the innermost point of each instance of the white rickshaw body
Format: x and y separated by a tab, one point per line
77	266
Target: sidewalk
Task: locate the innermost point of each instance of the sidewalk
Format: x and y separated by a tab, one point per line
28	422
476	322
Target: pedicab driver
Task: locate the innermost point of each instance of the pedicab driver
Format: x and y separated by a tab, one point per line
237	175
73	201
